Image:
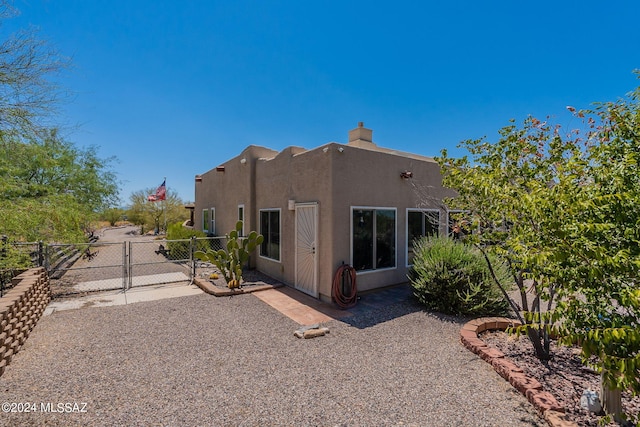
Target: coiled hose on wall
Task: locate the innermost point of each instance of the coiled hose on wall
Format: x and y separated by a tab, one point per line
345	291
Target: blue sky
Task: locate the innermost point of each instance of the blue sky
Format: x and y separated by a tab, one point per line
174	88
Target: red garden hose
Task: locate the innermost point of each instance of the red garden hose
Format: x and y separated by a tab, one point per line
345	291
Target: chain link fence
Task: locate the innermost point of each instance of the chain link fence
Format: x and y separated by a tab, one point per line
98	266
86	267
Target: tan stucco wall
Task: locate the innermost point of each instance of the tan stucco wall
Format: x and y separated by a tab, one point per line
339	180
335	176
369	178
304	177
224	191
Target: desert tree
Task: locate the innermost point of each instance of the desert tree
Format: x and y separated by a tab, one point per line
53	188
152	215
29	96
598	251
563	208
50	188
510	191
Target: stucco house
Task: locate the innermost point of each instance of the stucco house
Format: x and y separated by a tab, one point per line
355	203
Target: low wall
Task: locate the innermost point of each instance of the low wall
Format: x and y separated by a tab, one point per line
20	309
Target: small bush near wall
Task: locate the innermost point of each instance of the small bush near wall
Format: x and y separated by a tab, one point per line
177	231
452	277
180	249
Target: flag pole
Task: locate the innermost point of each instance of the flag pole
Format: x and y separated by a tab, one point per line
165	206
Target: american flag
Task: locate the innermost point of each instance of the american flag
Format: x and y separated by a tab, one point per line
161	193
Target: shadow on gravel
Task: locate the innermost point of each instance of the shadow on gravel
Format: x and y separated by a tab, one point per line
381	306
365	319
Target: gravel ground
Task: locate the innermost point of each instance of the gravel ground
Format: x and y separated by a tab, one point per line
201	360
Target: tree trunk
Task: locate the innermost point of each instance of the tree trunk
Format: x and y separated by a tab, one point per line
534	337
611	400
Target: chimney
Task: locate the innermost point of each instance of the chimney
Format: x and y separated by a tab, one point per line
360	136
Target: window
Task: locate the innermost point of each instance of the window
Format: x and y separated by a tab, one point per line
270	229
373	238
205	220
420	223
241	217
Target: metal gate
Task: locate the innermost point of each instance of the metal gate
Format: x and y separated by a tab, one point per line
159	261
85	267
122	261
88	267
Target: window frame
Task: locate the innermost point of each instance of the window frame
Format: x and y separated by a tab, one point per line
268	236
424	212
374	209
212	221
205	221
241	217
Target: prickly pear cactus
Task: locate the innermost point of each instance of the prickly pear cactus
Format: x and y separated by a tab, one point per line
231	260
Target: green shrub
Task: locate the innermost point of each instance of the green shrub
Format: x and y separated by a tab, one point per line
453	277
12	257
176	231
13	261
180	249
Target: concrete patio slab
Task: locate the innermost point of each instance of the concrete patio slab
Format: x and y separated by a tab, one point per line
300	307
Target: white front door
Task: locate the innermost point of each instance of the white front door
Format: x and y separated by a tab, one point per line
306	278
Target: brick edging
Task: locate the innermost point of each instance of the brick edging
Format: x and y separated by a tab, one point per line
543	401
20	309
